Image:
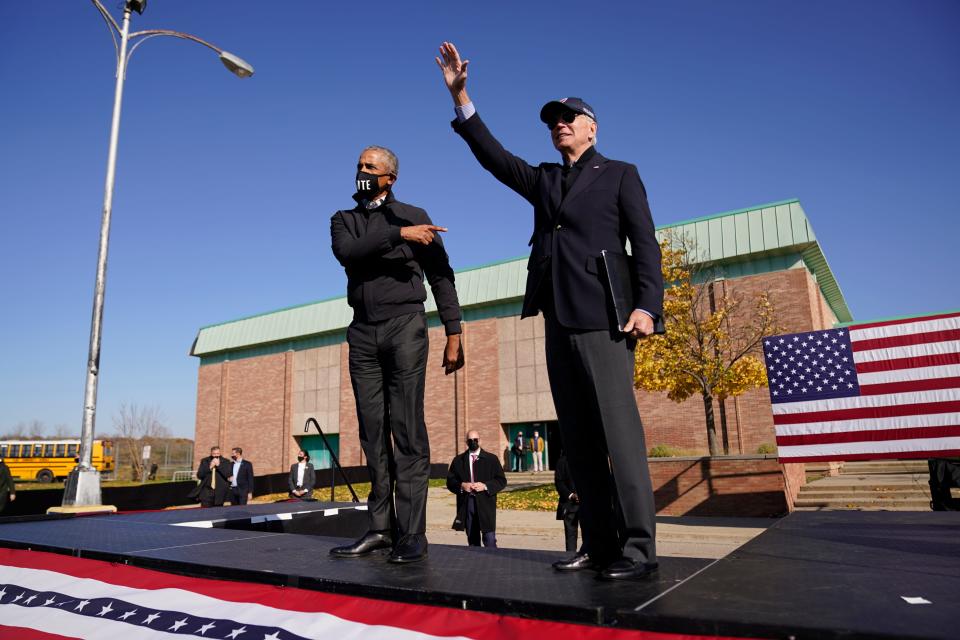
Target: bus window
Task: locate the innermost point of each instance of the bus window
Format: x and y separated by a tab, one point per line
48	451
37	450
14	451
25	450
3	451
71	451
61	450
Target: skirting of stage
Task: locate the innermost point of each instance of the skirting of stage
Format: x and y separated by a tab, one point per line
812	574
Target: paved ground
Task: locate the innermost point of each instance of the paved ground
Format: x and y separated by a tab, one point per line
676	536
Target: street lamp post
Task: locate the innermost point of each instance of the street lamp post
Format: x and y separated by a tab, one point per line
83	484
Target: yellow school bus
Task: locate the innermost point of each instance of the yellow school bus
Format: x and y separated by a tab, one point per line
49	460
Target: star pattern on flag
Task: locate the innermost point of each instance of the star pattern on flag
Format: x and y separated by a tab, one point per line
814	365
118	610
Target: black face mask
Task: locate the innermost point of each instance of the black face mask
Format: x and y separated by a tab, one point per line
234	458
300	458
368	184
473	444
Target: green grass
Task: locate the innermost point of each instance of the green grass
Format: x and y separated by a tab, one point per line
541	498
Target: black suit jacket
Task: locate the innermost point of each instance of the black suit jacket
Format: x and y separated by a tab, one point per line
244	475
205	472
309	479
488	470
605	207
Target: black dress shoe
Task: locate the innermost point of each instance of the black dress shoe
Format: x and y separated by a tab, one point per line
579	562
626	569
372	541
410	548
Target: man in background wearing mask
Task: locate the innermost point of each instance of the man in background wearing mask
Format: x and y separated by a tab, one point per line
476	477
241	478
214	476
385	246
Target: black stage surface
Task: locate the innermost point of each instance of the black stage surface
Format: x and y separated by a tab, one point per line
811	575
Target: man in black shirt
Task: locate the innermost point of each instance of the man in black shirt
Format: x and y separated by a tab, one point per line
385	246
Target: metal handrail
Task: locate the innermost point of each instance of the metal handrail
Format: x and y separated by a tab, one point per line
336	461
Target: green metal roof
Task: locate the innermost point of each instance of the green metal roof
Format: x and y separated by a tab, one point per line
767	237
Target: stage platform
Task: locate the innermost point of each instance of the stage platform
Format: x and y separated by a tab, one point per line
811	575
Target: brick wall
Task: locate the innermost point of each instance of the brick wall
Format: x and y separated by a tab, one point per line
252	401
731	486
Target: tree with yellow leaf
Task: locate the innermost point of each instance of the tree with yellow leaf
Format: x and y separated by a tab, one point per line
703	351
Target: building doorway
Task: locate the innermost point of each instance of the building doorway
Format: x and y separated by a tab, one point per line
319	455
550	432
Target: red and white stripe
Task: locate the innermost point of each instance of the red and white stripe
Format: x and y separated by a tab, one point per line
909	403
309	614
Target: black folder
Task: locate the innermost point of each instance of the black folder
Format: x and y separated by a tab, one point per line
620	286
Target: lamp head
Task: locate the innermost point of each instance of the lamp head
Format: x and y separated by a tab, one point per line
237	66
137	5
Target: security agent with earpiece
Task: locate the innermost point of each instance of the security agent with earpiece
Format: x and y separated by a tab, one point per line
387	248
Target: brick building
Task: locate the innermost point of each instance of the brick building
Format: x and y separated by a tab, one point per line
261	378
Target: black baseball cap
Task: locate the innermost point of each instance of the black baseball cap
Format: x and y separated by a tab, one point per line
577	105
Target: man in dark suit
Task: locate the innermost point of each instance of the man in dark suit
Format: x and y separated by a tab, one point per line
568	502
8	490
214	476
583	206
302	477
241	478
476	477
386	246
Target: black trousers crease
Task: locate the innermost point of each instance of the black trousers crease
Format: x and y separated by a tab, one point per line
591	379
387	370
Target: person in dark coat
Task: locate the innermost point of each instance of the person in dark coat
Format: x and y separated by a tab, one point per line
476	477
389	249
944	473
302	477
8	490
214	476
241	478
568	503
585	207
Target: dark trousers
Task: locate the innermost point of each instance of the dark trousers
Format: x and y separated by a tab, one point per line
387	368
473	527
238	496
210	498
591	378
517	460
943	475
571	520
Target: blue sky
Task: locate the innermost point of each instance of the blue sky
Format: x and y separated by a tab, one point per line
225	187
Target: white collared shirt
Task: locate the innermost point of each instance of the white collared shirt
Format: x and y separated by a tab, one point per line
301	468
236	470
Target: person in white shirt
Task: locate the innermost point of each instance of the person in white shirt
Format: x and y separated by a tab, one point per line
302	477
476	477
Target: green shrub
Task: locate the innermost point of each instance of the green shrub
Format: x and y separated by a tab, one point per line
766	448
664	451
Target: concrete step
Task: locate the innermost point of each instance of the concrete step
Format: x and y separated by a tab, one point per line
890	507
893	505
863	495
884	466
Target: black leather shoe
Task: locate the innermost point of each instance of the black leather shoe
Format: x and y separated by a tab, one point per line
372	541
410	548
626	569
579	562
